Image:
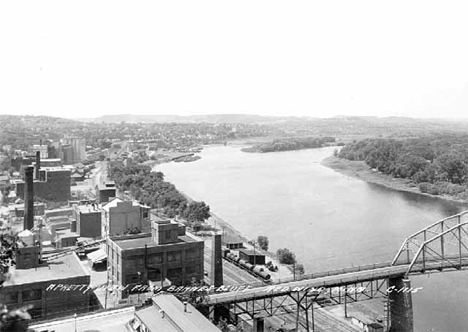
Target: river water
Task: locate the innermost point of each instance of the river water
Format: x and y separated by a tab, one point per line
327	219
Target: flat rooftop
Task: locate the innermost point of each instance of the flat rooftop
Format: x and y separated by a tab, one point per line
56	169
88	208
67	266
176	318
231	239
116	201
148	241
251	252
106	187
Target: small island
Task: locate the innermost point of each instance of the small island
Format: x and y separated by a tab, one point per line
293	143
186	158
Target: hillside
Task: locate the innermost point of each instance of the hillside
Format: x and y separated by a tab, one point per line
210	118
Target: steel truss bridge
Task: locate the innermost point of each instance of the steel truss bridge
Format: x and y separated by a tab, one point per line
442	246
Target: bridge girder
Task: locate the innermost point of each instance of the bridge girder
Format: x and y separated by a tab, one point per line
441	245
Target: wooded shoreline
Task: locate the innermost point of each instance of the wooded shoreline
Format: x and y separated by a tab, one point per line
360	170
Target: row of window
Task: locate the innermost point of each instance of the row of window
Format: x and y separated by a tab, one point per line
28	295
155	275
154	259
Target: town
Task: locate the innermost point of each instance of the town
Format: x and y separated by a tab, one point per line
79	239
93	235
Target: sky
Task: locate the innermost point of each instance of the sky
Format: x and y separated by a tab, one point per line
303	58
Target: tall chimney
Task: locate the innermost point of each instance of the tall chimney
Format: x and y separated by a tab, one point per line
38	165
28	198
217	262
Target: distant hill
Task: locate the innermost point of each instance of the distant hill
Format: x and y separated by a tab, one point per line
209	118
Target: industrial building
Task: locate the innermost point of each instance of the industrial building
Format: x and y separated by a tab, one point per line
42	148
33	279
88	220
105	191
232	242
252	256
170	315
125	217
73	149
31	282
51	184
166	253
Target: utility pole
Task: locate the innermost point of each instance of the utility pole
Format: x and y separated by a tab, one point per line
139	281
294	270
255	255
75	321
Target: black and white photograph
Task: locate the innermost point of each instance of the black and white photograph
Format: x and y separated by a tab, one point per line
233	166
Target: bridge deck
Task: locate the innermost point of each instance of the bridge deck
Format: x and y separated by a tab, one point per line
337	280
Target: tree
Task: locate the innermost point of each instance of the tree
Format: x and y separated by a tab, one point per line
196	227
197	211
263	242
285	256
299	268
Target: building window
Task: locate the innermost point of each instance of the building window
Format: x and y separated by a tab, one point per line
174	256
132	278
11	298
32	295
155	259
174	274
167	234
192	253
191	270
154	275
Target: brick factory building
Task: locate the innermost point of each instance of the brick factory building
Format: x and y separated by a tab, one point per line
32	281
166	253
88	220
53	185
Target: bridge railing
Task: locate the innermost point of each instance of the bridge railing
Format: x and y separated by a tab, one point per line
314	286
329	273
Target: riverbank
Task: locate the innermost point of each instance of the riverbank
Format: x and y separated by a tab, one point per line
360	170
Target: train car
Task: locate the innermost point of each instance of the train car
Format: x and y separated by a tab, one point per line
265	276
226	252
249	266
257	271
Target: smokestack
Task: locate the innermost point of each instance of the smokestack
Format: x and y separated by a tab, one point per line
217	262
38	165
28	198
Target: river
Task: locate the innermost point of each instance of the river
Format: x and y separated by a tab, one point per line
327	219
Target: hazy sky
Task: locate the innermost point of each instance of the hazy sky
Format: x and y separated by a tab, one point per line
315	58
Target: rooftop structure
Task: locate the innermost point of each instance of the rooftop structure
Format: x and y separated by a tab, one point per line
125	217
